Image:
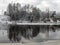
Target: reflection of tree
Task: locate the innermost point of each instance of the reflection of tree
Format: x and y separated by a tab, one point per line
25	31
35	30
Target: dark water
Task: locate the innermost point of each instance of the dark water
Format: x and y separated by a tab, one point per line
52	35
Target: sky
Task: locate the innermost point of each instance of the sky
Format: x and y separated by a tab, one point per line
41	4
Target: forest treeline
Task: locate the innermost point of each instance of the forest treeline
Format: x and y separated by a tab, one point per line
28	12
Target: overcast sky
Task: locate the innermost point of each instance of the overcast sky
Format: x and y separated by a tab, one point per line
42	4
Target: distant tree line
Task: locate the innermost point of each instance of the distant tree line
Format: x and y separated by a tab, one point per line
26	12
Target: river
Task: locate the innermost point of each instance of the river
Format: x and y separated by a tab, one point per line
52	35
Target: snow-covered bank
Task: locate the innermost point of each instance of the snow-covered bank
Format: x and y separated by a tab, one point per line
35	43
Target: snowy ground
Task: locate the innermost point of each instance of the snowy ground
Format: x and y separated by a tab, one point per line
34	43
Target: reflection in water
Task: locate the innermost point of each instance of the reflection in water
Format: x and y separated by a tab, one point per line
28	31
25	31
